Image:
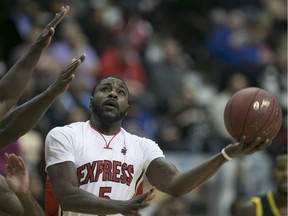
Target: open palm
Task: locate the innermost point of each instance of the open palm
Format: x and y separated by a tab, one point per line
17	175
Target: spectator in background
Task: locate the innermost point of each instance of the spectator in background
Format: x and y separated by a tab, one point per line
166	75
173	207
274	202
232	82
187	125
168	95
140	121
31	151
239	42
121	59
71	41
134	28
17	18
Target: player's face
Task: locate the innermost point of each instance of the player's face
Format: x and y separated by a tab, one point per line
280	173
110	100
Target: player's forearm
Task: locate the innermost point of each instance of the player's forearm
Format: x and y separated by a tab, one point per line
24	117
19	75
187	181
78	200
17	78
30	205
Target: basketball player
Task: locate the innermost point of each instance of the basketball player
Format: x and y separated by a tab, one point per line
96	166
17	122
16	198
273	203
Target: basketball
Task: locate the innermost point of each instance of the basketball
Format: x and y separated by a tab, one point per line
253	112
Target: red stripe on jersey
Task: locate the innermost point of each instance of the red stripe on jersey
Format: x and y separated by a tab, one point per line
51	204
139	189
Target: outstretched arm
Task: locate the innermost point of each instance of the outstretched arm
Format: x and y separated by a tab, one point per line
20	74
17	178
162	174
23	118
73	198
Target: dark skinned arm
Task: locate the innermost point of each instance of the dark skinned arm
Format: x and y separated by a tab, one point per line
16	79
17	178
20	120
72	198
9	203
165	177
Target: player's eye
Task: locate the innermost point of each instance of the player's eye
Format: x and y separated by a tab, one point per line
122	92
105	89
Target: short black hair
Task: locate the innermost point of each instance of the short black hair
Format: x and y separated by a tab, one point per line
107	77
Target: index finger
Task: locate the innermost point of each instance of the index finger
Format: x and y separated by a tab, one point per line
75	63
11	159
59	17
146	196
151	194
242	142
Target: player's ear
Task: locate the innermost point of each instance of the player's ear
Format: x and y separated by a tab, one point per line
127	110
91	103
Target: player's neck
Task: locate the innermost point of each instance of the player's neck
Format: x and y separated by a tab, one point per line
105	129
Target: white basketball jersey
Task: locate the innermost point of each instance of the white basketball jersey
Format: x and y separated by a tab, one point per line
107	166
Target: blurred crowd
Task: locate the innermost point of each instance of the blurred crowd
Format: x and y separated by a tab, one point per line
181	59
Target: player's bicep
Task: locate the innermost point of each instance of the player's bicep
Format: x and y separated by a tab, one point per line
63	178
160	173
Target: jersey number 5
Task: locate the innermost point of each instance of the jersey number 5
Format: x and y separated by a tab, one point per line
103	191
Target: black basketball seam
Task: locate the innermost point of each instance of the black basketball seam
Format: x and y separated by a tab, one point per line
250	104
276	104
230	117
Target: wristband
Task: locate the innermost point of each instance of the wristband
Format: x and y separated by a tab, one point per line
225	155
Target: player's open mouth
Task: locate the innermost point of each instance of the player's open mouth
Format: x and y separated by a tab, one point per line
111	104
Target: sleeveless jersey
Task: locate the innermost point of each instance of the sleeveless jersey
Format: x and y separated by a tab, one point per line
265	205
107	166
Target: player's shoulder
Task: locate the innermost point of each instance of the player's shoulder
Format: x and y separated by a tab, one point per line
136	138
69	128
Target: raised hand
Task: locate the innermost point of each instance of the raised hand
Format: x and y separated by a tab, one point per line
44	38
17	176
241	149
131	207
66	76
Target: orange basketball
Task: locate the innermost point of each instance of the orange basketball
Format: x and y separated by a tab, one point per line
253	112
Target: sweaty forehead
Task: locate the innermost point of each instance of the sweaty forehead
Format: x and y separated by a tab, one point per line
113	81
